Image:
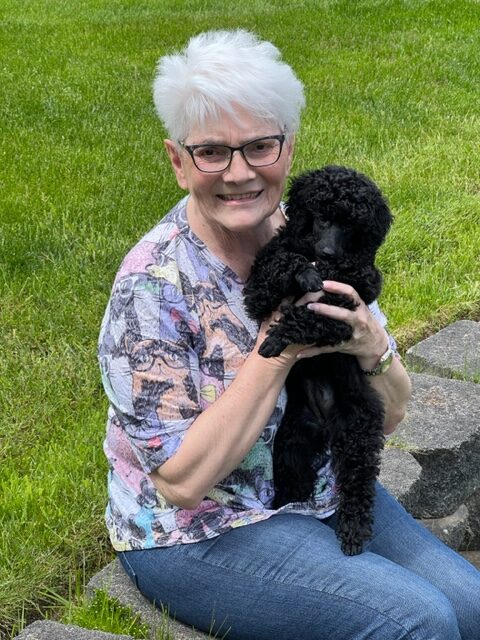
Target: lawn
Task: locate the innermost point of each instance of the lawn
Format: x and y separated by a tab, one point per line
392	89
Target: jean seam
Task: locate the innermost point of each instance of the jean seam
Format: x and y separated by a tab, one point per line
133	572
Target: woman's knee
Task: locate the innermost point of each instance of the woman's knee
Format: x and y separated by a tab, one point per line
435	619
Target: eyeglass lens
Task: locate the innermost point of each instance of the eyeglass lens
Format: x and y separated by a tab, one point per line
257	153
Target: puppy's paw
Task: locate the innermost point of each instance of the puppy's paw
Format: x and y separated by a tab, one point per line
309	280
351	548
270	347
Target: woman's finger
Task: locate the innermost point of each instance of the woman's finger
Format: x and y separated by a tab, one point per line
311	296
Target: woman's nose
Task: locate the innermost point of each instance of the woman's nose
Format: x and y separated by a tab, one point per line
239	169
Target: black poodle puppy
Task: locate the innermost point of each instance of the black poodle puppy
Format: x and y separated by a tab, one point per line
337	220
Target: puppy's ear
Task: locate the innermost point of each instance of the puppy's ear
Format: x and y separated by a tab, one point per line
304	196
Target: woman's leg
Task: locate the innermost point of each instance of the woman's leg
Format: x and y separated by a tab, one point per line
404	541
286	578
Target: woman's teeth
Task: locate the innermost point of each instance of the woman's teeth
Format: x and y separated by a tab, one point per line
240	196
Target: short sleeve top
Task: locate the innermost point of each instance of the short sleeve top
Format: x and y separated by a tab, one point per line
173	337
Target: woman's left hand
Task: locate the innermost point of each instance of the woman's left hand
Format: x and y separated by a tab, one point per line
369	340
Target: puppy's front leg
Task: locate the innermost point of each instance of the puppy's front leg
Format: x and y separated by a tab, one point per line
272	279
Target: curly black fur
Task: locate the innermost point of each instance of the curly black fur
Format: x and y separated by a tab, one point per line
337	220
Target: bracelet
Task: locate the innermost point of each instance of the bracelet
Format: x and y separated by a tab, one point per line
383	364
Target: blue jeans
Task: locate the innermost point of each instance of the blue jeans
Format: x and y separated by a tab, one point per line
286	579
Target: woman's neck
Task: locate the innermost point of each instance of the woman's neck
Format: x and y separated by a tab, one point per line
236	249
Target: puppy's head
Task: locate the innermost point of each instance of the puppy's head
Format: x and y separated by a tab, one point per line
341	212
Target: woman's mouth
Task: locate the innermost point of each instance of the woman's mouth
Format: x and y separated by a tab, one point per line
239	197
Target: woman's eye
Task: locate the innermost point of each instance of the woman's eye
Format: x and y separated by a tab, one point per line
210	152
261	147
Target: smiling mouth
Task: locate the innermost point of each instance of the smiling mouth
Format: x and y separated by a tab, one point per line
239	197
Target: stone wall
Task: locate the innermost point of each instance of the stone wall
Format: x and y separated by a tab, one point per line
432	462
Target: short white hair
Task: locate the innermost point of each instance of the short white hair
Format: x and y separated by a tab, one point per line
219	71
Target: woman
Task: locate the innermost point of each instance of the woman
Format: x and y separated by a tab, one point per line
194	407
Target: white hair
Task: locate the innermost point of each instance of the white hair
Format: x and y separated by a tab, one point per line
221	70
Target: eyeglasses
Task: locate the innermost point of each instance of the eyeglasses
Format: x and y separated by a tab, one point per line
211	158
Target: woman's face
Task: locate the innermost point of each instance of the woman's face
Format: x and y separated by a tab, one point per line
242	197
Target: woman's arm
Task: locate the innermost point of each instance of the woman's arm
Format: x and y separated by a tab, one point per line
369	342
222	435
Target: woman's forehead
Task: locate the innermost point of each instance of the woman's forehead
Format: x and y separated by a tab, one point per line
232	128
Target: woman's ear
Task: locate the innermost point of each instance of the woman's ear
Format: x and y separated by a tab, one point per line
177	164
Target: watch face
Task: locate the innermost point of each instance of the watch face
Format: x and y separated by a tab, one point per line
383	365
386	361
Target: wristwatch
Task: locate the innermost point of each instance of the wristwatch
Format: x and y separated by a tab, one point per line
383	364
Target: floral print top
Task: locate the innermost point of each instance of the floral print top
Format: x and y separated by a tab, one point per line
173	337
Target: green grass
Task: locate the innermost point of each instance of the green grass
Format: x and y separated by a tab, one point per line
392	89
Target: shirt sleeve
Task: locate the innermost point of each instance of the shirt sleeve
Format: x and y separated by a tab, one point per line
149	365
380	316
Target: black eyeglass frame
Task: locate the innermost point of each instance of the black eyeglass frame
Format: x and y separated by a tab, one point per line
190	148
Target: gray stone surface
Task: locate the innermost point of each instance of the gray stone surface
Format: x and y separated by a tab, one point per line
442	431
472	536
114	581
473	557
453	351
450	529
399	473
48	630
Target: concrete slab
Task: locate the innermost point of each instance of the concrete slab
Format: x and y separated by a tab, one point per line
442	432
399	473
450	529
452	352
114	581
49	630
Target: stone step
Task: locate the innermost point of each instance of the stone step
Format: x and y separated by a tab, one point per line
472	536
473	557
49	630
400	473
450	353
115	582
442	432
451	529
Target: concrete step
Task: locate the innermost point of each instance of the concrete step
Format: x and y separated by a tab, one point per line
114	581
400	474
452	352
442	432
49	630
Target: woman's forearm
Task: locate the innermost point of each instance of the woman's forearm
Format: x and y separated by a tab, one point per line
222	435
394	387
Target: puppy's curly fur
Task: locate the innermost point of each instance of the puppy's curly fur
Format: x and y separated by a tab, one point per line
337	220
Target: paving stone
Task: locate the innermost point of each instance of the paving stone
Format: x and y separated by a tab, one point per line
472	536
450	529
49	630
399	473
452	352
473	557
115	582
442	432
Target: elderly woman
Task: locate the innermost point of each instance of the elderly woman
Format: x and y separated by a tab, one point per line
194	407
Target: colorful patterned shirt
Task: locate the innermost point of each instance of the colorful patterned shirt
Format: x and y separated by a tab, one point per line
174	335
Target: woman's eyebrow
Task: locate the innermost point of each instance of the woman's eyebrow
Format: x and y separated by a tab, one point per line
221	142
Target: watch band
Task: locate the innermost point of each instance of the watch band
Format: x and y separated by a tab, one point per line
383	364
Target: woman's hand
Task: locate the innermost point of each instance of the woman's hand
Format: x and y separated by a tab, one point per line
369	339
368	343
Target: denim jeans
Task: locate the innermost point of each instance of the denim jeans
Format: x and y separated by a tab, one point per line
286	578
